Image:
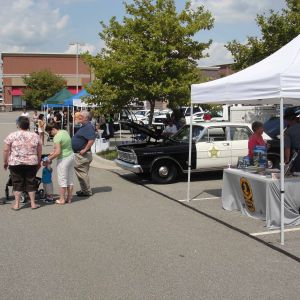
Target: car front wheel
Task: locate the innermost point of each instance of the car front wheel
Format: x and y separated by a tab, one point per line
164	171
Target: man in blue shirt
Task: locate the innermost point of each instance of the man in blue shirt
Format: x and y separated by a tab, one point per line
82	142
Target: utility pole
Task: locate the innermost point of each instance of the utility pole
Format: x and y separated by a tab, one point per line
77	66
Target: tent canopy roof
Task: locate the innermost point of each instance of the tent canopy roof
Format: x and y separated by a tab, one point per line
59	97
82	93
275	77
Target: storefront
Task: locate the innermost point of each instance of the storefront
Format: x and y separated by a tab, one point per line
18	65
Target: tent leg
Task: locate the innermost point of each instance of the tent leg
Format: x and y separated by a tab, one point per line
281	174
190	154
73	121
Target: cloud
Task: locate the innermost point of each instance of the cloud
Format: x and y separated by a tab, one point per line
28	24
231	11
218	55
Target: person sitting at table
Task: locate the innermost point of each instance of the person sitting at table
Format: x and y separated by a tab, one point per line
256	138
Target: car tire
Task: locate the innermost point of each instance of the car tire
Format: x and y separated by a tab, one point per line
273	162
164	171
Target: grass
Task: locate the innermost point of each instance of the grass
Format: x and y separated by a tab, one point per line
108	154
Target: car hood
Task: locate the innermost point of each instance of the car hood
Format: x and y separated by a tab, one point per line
145	130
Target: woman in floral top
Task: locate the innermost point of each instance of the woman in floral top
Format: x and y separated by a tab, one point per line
22	155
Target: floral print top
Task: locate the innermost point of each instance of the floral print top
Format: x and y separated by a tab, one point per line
23	148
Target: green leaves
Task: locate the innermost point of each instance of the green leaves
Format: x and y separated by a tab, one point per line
41	86
277	29
150	55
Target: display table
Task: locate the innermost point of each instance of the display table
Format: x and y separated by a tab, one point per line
259	197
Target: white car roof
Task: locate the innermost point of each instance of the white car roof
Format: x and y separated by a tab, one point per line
209	124
212	124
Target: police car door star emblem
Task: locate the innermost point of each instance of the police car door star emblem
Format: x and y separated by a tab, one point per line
213	152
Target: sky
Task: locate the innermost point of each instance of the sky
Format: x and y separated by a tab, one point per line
50	26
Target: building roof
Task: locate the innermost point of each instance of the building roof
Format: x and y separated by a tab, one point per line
37	54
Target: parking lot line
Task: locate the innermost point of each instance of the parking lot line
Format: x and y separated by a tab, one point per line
199	199
273	231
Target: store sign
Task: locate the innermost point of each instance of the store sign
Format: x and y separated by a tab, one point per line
247	193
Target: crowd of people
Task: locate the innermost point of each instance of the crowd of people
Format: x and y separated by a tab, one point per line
22	155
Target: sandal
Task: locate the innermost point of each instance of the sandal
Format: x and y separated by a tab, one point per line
36	206
15	208
59	202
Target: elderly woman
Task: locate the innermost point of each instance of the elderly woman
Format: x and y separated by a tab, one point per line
22	154
256	138
65	165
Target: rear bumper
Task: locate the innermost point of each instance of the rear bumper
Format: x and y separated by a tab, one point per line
128	166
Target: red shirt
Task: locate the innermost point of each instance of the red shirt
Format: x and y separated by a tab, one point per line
255	140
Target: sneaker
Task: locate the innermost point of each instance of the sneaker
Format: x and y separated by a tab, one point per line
83	194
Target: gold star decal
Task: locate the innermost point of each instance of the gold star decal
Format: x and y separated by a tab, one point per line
213	152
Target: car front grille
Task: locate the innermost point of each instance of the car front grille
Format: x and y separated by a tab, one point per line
159	120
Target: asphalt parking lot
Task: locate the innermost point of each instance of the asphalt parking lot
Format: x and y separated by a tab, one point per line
137	240
206	191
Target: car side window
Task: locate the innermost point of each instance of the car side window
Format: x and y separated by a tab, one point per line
239	133
215	134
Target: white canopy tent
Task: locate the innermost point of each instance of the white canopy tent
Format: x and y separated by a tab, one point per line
82	104
274	80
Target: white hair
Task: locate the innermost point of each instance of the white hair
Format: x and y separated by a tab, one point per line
85	114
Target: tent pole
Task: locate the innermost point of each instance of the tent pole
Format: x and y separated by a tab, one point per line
281	174
68	119
190	153
73	117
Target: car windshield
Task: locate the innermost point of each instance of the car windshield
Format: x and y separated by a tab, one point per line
183	134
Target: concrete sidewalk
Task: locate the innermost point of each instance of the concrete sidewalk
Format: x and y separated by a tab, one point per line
101	163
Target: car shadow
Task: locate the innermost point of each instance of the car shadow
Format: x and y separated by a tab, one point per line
146	179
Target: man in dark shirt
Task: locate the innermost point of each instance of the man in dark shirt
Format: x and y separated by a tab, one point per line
292	140
82	142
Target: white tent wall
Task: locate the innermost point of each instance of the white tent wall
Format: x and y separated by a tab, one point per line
274	80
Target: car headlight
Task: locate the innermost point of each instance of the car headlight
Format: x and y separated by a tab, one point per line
127	156
134	157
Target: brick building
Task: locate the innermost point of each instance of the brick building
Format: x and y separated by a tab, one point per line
17	65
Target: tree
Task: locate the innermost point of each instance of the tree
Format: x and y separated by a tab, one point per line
150	56
277	30
41	86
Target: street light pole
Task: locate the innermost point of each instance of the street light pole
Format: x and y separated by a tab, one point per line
77	62
77	75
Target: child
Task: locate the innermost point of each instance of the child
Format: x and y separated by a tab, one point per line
47	180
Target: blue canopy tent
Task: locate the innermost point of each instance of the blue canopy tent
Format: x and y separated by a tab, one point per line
58	99
69	101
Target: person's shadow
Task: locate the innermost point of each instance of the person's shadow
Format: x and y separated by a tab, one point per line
97	190
101	189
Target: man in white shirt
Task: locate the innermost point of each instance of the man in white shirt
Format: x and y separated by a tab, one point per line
25	113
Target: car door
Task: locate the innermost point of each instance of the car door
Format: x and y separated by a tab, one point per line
239	136
214	148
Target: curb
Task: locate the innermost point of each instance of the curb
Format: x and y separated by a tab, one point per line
101	163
